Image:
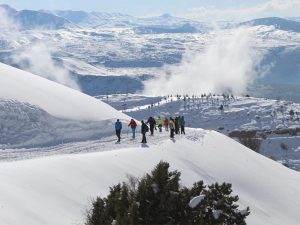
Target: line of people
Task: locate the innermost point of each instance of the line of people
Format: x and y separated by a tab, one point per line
174	125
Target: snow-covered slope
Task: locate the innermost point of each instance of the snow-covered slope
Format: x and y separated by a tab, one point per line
38	112
56	99
57	190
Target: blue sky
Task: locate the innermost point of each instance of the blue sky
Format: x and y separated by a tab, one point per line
196	9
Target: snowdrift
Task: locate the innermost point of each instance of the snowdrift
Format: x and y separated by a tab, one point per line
39	112
57	190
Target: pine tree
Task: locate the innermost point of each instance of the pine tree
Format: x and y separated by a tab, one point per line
159	199
221	207
97	215
157	194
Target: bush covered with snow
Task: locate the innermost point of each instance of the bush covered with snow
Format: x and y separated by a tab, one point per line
158	198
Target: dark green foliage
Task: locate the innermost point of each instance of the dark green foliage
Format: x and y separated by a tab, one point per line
158	199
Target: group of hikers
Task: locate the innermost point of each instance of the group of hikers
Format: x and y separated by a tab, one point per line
174	125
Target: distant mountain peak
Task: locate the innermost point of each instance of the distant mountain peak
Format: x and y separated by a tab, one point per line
7	8
32	19
166	16
277	22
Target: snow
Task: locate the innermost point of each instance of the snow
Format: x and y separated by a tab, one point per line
45	182
217	213
240	113
56	99
269	119
36	112
155	188
58	189
196	201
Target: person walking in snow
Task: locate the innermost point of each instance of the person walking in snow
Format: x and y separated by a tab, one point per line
221	107
177	124
166	124
160	123
172	127
133	126
182	125
152	124
144	130
118	128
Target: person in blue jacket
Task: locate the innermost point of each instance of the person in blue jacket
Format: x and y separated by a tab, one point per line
182	124
118	128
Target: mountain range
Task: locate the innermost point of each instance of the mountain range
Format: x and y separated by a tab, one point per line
99	48
30	19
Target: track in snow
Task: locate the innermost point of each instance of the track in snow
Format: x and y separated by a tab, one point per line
103	144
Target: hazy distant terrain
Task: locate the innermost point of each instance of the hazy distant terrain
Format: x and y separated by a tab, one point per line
114	49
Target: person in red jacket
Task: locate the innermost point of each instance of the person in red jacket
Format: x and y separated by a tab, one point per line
166	124
133	125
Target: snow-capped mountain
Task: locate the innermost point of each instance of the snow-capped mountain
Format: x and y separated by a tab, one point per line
118	47
278	23
96	18
165	22
30	19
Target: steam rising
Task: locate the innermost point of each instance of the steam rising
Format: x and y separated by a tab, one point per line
37	57
228	64
38	60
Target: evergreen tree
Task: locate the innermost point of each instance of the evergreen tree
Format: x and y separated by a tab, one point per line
97	215
159	200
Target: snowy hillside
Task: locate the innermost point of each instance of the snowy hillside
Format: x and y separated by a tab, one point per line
36	111
274	122
58	189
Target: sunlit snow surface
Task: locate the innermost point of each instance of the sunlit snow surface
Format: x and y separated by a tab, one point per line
39	112
266	116
53	185
63	186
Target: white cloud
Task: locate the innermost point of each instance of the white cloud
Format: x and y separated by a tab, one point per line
281	8
228	64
